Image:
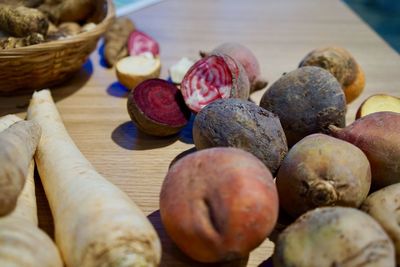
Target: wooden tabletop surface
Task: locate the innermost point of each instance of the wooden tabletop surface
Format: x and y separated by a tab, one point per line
279	32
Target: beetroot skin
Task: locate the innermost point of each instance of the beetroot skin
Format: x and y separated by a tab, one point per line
218	204
214	77
157	108
248	60
378	136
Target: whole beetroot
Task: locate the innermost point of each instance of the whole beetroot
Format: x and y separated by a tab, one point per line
218	204
342	65
322	171
384	205
378	136
242	124
248	60
214	77
307	101
334	237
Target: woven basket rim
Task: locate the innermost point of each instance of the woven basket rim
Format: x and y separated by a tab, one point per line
55	45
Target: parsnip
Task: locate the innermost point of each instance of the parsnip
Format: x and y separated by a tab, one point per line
17	146
22	243
96	224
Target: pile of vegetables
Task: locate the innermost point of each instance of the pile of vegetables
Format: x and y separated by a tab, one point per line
30	22
338	185
325	172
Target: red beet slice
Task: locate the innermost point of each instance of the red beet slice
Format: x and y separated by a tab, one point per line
214	77
157	108
139	43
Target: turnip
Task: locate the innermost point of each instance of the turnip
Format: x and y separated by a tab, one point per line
214	77
22	243
96	224
333	237
378	136
248	60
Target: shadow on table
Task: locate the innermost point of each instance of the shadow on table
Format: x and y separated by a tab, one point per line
129	137
181	155
267	263
116	89
11	104
173	257
45	218
102	59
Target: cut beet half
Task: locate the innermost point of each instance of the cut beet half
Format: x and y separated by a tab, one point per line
211	78
157	108
139	43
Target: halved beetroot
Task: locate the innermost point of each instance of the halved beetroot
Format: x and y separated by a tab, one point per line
214	77
157	108
139	43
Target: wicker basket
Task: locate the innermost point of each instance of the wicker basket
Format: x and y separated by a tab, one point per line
26	69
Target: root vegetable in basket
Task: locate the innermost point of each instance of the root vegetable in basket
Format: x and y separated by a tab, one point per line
27	3
214	77
342	65
68	10
22	243
157	108
378	136
133	70
248	60
242	124
22	21
377	103
307	101
383	205
334	236
96	224
218	204
15	42
18	144
322	171
116	40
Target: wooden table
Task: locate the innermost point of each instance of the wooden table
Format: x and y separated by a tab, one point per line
280	32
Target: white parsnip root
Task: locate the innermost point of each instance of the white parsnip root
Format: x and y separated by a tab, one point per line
96	224
17	146
22	243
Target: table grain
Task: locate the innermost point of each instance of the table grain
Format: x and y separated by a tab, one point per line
279	32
